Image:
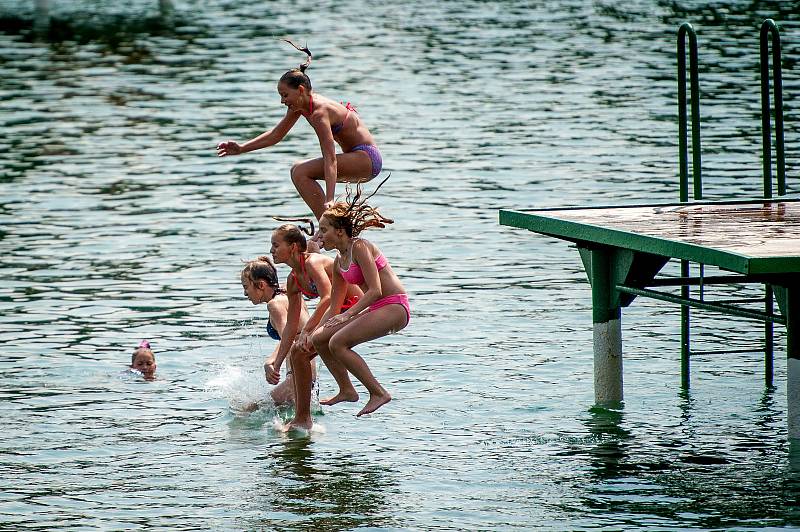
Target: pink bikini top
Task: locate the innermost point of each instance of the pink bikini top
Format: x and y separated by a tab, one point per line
353	273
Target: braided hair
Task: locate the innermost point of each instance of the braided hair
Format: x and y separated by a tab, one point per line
262	269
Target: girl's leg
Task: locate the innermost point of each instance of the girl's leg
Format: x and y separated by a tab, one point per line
351	167
365	327
302	376
346	392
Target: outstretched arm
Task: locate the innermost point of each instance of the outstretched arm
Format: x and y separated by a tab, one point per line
269	138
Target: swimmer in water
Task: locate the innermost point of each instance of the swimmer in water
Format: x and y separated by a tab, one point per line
143	360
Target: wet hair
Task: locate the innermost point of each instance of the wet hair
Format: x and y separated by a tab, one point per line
293	234
262	269
296	77
353	215
144	346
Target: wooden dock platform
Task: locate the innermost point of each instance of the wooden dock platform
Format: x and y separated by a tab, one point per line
624	248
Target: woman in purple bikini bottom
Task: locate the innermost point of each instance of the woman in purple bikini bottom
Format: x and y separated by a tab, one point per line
334	123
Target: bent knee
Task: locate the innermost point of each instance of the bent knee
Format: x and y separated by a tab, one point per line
297	355
298	171
320	338
338	342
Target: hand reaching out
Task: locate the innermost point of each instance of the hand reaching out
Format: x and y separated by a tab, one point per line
228	147
303	341
273	373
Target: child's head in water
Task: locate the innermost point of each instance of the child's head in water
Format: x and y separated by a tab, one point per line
143	360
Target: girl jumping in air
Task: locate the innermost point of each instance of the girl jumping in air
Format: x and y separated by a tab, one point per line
333	122
260	283
311	278
382	309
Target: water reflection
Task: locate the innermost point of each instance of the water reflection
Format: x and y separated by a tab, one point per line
689	477
54	24
791	482
608	455
730	14
322	490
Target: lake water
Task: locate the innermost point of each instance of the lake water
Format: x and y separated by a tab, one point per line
118	222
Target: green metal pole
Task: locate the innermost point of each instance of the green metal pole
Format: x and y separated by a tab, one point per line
607	330
685	30
716	306
685	330
41	17
683	148
769	28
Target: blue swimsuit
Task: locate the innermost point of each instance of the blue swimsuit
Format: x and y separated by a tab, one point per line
272	331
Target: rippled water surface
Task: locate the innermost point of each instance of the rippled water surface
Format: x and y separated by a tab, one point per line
118	222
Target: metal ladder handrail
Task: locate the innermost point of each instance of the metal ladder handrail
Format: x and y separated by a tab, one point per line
686	29
770	29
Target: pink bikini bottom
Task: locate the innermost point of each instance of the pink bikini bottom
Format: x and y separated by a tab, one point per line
394	299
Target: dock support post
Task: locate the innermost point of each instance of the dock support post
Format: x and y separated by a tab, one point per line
686	30
792	308
607	329
685	331
770	31
769	335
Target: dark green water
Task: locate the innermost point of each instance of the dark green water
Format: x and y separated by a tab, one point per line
118	222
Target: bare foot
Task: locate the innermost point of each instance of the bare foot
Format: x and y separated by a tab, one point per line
341	397
374	403
298	425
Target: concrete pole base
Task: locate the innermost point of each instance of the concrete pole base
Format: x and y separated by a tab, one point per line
608	362
793	397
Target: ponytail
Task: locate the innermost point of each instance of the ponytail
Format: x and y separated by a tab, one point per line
309	221
292	234
296	77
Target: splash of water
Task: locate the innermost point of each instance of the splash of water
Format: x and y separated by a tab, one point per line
245	390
